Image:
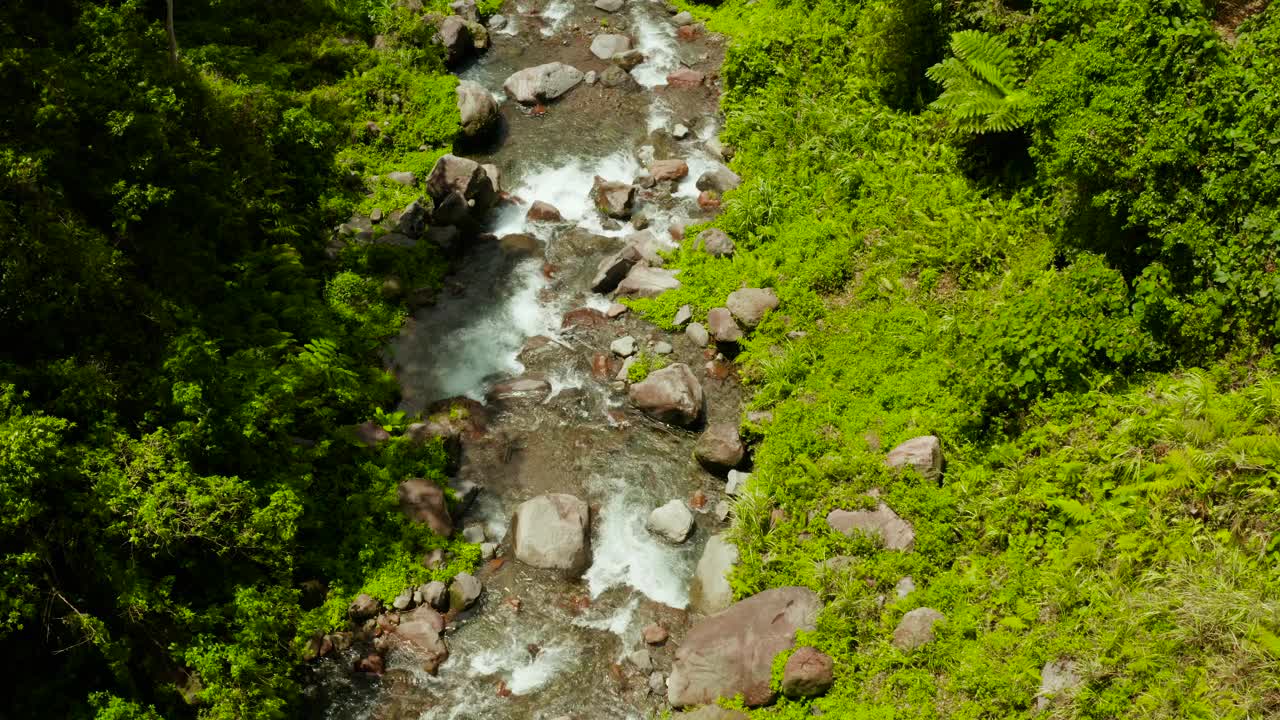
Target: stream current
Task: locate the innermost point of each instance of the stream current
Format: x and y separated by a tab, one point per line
539	645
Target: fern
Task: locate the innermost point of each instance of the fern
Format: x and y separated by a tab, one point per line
978	92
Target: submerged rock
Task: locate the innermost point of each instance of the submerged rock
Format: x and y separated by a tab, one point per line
672	395
551	532
732	652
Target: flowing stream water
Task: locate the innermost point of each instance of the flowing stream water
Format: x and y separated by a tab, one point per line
540	645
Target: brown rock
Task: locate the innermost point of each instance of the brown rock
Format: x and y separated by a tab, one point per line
807	674
722	325
882	522
584	317
654	634
423	501
668	170
685	78
672	395
750	305
719	449
543	212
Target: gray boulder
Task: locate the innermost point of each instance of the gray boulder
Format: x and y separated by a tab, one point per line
698	334
1058	680
732	652
614	269
551	532
455	36
543	82
923	454
454	174
646	282
672	395
463	592
709	591
415	218
916	628
673	522
615	76
882	522
435	594
363	607
402	177
719	179
716	242
682	18
477	108
750	305
683	315
719	449
606	46
614	199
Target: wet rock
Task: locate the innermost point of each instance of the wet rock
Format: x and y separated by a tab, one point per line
551	532
446	237
698	334
719	179
403	601
435	594
521	389
680	131
672	395
683	315
882	522
904	587
614	199
722	325
615	76
614	269
463	592
709	201
669	170
672	522
371	663
519	245
628	60
488	551
542	83
683	18
654	634
646	282
577	242
363	607
916	628
606	46
719	449
479	35
497	22
732	652
808	673
419	632
583	318
423	501
455	36
923	454
1058	680
609	5
709	590
689	33
494	175
454	174
616	310
685	78
477	108
716	242
737	483
623	346
750	305
543	212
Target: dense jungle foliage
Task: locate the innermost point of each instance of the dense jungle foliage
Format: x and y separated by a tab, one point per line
1047	233
181	364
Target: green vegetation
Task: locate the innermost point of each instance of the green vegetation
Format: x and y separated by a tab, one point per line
180	361
1046	233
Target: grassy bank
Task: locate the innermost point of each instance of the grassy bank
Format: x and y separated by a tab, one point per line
1071	281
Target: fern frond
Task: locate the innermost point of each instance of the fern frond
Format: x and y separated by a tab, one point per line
978	90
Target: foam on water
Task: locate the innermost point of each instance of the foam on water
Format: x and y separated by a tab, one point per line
625	553
567	186
618	622
523	672
657	41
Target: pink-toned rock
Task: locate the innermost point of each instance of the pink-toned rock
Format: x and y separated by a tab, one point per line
672	395
719	449
882	522
543	212
667	170
750	305
808	673
722	325
685	78
423	501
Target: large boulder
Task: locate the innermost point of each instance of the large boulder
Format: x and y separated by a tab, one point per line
420	636
467	178
923	454
672	395
614	199
477	108
750	305
719	449
916	628
732	652
464	591
614	269
673	522
551	532
363	607
543	82
415	218
719	179
808	673
423	501
709	591
882	523
668	170
643	281
606	46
